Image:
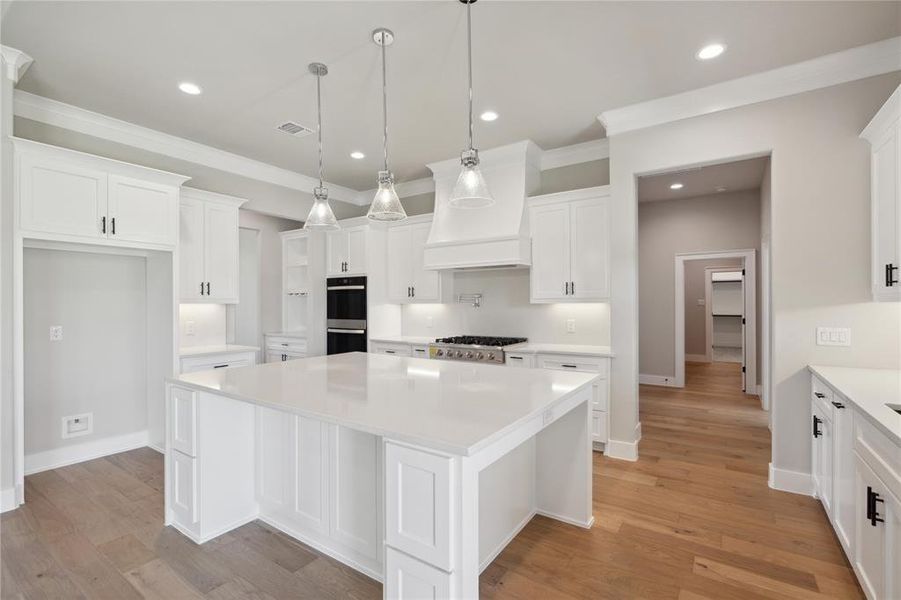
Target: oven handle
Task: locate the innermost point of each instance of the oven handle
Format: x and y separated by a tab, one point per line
346	287
332	330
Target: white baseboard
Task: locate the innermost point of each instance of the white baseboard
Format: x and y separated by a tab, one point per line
790	481
509	538
664	380
76	453
159	449
8	499
696	358
583	524
624	450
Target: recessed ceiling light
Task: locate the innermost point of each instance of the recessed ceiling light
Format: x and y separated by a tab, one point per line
489	115
189	88
676	186
710	51
357	154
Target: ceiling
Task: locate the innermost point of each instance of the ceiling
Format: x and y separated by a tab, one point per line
548	68
735	176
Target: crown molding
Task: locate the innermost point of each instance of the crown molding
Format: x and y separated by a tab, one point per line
890	111
59	114
831	69
15	61
575	154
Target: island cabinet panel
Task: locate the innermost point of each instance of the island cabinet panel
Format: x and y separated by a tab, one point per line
412	579
420	514
183	420
354	506
311	472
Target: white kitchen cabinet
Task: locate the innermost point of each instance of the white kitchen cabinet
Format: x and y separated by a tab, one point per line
208	247
844	516
408	281
280	348
600	414
822	449
570	246
393	348
520	361
68	195
346	251
223	360
419	350
884	135
878	548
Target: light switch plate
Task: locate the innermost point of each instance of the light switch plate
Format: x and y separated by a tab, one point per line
56	333
189	328
570	326
833	336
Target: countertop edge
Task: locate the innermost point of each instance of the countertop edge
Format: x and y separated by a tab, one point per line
896	438
230	349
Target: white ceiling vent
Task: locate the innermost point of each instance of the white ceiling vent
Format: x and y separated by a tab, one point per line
295	129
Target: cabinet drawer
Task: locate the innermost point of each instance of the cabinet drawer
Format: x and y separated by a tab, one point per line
411	579
598	426
290	344
394	348
219	361
513	359
599	401
183	420
420	351
822	395
879	452
565	362
183	498
420	512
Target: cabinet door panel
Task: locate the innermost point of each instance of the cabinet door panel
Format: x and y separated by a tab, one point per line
869	555
311	473
550	251
426	284
190	250
843	476
826	440
273	451
356	251
399	264
354	498
886	173
61	198
335	252
220	260
143	211
589	243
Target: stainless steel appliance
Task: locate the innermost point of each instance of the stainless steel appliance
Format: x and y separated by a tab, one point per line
346	315
475	348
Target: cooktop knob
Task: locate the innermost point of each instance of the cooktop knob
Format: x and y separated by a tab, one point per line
480	355
469	355
439	353
491	356
459	353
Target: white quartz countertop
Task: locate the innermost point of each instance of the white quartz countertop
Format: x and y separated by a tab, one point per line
403	339
580	349
217	349
869	390
453	407
301	333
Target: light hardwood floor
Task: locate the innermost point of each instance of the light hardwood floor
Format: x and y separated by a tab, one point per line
692	519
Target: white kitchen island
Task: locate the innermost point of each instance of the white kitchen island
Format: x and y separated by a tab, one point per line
415	472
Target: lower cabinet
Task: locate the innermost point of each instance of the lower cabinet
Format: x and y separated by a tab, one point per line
191	364
856	474
394	348
600	415
282	348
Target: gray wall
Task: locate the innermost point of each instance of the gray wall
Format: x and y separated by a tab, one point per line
729	221
820	185
695	289
100	364
7	452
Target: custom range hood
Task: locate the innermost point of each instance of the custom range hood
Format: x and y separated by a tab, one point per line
495	236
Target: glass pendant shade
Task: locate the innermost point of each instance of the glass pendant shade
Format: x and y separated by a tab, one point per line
321	216
386	205
471	190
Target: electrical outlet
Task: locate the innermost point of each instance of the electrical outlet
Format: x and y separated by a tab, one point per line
189	328
833	336
56	333
76	425
570	326
428	322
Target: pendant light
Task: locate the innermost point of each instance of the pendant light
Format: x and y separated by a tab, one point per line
385	205
321	216
470	191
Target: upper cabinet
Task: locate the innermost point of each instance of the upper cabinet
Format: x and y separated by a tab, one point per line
71	196
570	246
208	247
407	281
346	251
884	135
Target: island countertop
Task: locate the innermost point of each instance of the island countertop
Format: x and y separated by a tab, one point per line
454	407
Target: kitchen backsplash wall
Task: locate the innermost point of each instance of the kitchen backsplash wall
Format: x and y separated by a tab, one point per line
209	324
506	311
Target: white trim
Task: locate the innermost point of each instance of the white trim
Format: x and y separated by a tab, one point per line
59	114
155	448
8	499
824	71
509	538
16	61
697	358
76	453
790	481
624	450
570	195
750	351
207	196
564	519
575	154
661	380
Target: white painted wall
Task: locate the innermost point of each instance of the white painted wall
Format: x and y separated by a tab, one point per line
820	207
100	364
506	311
209	325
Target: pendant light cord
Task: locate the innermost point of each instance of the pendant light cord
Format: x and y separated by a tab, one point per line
385	101
319	118
469	43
